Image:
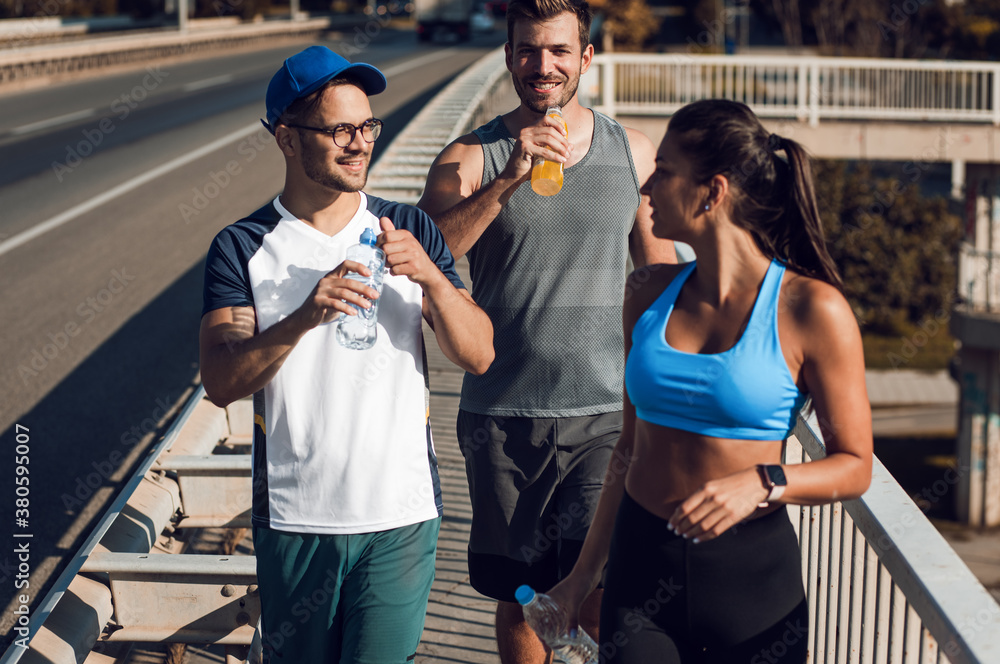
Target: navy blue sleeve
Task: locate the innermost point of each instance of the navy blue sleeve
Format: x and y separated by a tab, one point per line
424	229
227	278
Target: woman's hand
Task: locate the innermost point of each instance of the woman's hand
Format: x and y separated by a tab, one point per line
718	506
570	594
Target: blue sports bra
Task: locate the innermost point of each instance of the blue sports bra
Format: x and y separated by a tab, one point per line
745	393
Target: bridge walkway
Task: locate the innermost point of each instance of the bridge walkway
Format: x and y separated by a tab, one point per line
459	624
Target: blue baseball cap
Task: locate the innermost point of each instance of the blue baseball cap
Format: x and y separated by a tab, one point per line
308	71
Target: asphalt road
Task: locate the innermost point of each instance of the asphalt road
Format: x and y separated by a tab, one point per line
111	189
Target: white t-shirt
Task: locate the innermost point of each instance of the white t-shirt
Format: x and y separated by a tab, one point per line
342	440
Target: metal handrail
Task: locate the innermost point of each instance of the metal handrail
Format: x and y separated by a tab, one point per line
957	616
805	88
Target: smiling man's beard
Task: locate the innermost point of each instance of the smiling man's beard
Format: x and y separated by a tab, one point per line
315	167
529	99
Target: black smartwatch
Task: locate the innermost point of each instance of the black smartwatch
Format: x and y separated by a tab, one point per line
773	479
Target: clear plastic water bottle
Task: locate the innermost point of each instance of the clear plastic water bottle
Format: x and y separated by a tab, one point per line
548	620
359	332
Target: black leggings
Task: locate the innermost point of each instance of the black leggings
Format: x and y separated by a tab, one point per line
736	599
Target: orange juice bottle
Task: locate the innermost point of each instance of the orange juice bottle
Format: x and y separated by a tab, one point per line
547	176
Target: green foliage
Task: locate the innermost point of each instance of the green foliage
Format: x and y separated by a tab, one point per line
629	22
930	348
896	249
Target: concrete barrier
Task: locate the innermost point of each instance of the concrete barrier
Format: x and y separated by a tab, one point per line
20	65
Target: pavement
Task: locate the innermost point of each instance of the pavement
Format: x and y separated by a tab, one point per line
459	625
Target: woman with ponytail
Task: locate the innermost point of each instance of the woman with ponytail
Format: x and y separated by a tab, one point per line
722	353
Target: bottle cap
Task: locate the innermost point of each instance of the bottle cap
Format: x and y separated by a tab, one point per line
524	595
368	237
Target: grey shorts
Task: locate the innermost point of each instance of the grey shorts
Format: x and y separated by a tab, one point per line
534	485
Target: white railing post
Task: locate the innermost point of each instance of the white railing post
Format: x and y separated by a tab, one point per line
920	578
814	94
608	91
995	86
802	93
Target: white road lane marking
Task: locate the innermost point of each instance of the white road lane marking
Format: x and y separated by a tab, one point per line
138	181
207	83
53	122
124	188
419	62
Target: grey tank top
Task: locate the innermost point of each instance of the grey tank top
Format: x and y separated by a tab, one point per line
550	272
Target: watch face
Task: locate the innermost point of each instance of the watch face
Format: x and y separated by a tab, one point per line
776	474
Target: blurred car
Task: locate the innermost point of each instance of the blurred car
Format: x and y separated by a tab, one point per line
481	19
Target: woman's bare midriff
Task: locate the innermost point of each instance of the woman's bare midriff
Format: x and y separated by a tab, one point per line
668	465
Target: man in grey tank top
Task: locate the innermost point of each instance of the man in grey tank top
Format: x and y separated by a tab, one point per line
537	429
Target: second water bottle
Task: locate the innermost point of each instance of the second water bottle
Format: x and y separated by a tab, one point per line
549	622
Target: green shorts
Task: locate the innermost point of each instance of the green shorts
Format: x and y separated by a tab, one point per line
358	599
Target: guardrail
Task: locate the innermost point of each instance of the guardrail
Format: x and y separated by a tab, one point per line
18	30
805	88
979	278
882	584
20	65
134	579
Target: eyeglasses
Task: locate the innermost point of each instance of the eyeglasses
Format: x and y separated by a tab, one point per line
344	133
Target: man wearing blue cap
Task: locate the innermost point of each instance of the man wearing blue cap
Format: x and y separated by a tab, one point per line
346	496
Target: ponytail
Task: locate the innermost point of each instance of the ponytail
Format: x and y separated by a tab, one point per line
806	243
771	197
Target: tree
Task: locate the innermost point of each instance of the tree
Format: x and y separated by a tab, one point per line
629	22
895	248
789	19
